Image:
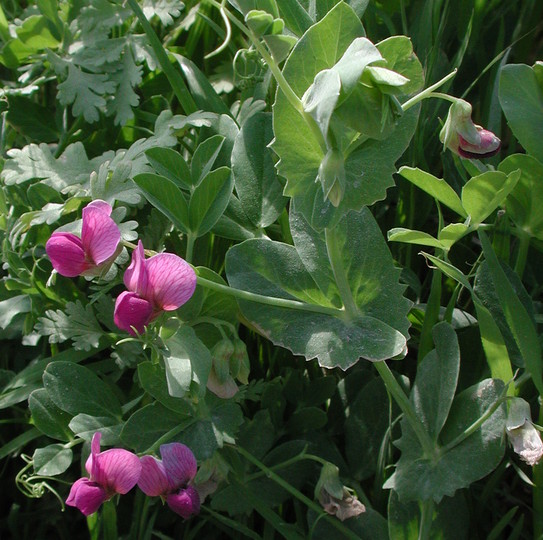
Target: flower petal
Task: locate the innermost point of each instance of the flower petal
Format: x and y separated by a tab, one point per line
179	463
171	280
86	495
135	276
131	310
67	254
153	479
185	503
116	470
100	235
95	450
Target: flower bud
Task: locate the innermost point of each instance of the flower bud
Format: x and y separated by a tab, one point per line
523	436
237	358
466	139
332	176
221	353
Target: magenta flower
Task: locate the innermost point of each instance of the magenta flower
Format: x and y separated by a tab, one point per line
94	252
113	471
171	478
163	282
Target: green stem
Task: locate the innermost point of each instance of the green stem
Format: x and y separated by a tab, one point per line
429	92
109	521
191	238
393	387
426	518
295	493
169	436
522	253
287	463
174	77
345	293
268	300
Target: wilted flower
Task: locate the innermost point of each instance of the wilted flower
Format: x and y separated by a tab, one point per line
113	471
94	252
335	498
522	434
163	282
171	478
463	137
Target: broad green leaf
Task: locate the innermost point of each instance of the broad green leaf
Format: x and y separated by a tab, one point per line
370	525
518	319
420	478
209	200
437	377
52	460
257	185
76	389
152	378
32	120
408	236
449	235
164	195
47	417
521	98
524	204
171	164
375	324
435	187
10	308
205	156
86	425
484	193
280	45
188	364
295	16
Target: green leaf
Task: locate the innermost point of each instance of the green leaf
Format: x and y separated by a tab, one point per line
521	98
437	377
31	119
52	460
10	308
408	236
419	478
435	187
258	21
209	200
204	157
377	328
295	16
524	204
482	194
518	319
280	46
171	164
47	417
77	323
449	235
76	389
165	196
370	525
152	378
257	185
86	425
188	364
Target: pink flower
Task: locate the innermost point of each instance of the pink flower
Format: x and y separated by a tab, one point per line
170	478
163	282
94	252
113	471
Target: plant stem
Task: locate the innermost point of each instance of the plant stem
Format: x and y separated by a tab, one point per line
429	92
268	300
174	77
429	448
522	253
426	518
339	274
190	247
295	493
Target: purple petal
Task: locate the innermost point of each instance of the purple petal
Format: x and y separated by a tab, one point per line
135	276
171	280
179	463
86	495
100	235
131	310
101	205
489	145
95	450
116	470
185	503
67	254
153	479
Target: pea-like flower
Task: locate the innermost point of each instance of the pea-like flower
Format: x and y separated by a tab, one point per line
171	478
93	253
113	471
463	137
523	436
163	282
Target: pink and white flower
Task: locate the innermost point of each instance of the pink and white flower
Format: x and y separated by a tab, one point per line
93	253
113	471
171	478
163	282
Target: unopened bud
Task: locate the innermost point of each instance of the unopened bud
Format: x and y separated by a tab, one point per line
221	353
332	176
240	352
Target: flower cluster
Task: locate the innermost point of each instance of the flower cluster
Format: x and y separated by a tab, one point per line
118	471
163	282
